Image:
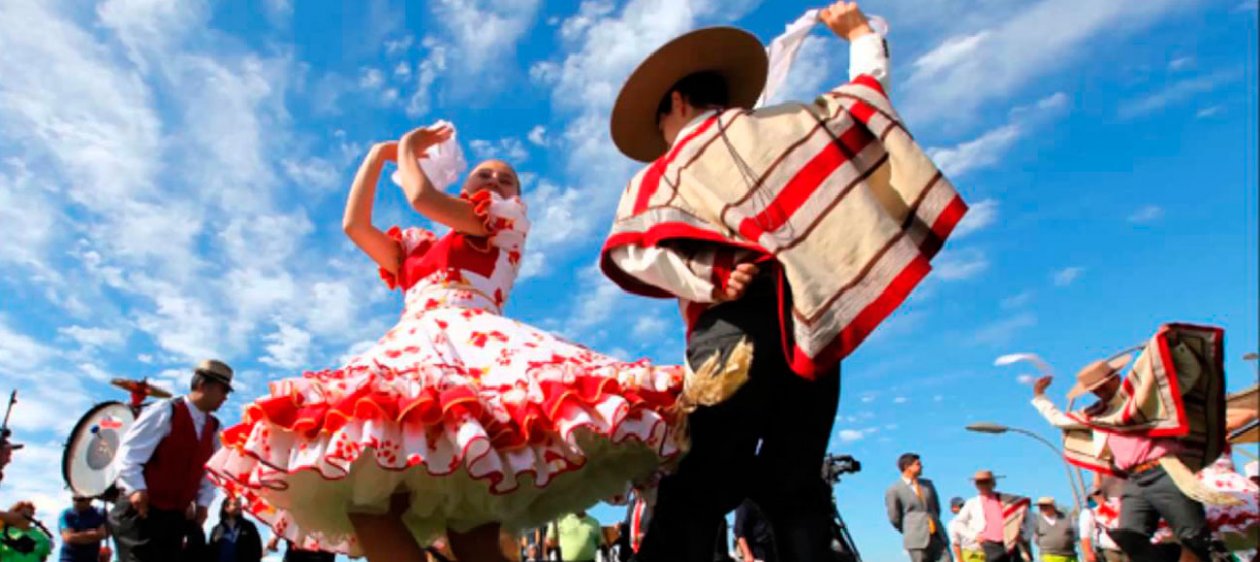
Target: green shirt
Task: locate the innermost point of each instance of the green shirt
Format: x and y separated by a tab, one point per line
578	537
42	548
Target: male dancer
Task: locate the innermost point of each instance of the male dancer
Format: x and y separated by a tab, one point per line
791	230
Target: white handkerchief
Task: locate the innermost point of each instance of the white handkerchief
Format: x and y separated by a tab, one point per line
782	53
443	163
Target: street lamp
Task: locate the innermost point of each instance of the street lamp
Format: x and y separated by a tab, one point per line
998	429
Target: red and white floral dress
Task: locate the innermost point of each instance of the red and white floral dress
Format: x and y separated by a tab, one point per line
478	417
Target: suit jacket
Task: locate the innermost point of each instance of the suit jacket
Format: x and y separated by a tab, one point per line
910	515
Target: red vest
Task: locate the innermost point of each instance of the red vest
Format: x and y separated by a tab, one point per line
178	465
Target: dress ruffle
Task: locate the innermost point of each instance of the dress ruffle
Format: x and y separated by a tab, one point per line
519	441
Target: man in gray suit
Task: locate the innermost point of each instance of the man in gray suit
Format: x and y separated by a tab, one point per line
915	511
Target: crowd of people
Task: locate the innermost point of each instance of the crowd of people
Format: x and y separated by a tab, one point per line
785	233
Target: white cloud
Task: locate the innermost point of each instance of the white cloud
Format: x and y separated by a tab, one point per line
371	78
980	215
427	73
1017	301
850	435
991	146
533	264
1209	111
959	265
1176	93
92	337
509	149
538	135
900	400
970	70
867	399
278	11
1003	331
311	172
1025	379
396	47
1068	275
1180	63
287	348
485	32
650	327
1147	214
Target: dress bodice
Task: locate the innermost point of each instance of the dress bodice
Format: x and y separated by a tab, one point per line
462	270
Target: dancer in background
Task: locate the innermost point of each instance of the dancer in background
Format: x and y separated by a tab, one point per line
459	421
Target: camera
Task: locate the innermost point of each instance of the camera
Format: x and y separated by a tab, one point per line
835	466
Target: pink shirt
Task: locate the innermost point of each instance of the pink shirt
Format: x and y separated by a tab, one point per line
994	522
1128	451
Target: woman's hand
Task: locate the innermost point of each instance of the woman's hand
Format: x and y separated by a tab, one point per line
417	141
385	151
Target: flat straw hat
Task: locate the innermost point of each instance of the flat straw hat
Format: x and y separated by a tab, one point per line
1096	374
215	370
732	53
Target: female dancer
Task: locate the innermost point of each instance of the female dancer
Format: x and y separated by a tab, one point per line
460	421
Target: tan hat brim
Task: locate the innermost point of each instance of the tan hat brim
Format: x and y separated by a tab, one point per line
734	54
1115	364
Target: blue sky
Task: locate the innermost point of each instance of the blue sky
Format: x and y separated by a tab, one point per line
171	181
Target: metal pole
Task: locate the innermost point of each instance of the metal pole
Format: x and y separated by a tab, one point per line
1076	495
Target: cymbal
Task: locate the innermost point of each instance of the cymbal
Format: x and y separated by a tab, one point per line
140	386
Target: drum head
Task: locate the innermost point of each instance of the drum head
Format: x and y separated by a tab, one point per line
85	464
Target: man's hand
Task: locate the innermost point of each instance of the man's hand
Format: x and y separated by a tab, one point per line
140	502
201	515
273	545
737	283
845	20
1041	384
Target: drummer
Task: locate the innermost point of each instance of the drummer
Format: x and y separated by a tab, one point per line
161	468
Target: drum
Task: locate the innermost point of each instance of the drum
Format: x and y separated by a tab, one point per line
90	451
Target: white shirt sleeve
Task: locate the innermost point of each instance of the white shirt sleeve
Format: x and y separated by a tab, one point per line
138	444
868	55
668	270
1052	414
1086	525
205	495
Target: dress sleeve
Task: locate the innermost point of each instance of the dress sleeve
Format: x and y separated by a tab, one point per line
410	240
504	217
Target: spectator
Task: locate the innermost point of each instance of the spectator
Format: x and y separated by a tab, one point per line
21	541
82	528
578	535
234	538
753	534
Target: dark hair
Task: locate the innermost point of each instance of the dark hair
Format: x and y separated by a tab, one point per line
702	89
200	379
904	461
223	506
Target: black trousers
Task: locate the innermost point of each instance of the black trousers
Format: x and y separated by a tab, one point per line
996	552
156	538
1147	497
766	443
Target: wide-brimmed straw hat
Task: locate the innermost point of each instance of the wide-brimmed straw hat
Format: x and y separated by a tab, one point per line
984	475
1096	374
215	370
732	53
1045	500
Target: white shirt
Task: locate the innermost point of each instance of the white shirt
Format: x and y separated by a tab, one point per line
971	522
142	439
689	277
958	536
1089	529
